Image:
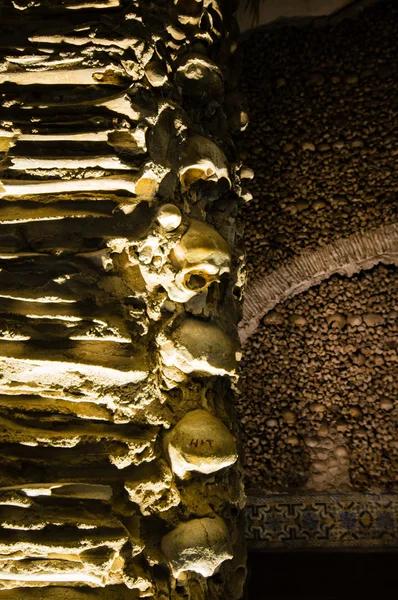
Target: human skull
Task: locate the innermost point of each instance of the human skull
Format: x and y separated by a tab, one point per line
200	258
203	159
199	545
198	346
199	78
200	442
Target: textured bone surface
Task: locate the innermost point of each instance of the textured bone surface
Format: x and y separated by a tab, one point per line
202	159
320	317
169	217
120	277
200	258
200	545
199	346
200	442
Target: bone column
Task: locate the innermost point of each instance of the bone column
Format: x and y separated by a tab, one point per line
120	287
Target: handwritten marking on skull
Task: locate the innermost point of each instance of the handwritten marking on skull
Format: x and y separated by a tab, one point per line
200	442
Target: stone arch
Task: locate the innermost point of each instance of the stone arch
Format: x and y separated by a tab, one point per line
344	256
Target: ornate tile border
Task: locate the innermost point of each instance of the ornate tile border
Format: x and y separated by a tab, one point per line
335	521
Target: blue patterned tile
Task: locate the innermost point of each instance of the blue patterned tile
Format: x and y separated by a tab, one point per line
339	521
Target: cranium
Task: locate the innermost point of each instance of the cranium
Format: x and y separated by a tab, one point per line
203	159
200	258
198	346
189	11
200	442
199	545
200	78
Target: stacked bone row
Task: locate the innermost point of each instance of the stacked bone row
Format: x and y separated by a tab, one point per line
119	299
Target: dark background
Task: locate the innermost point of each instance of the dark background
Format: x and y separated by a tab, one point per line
322	575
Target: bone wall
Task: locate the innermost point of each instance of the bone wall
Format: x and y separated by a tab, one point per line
321	138
319	374
322	370
120	288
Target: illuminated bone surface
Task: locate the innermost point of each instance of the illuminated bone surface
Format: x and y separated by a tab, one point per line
200	442
199	545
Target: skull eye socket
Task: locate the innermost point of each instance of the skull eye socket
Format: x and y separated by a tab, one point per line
192	175
194	281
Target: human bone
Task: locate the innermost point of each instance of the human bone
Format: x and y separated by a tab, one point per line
199	346
169	217
202	159
109	246
153	489
200	78
200	442
200	258
156	73
199	545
